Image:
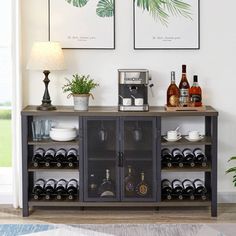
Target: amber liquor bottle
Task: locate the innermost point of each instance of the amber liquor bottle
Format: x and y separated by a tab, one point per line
173	93
142	188
196	93
129	183
184	87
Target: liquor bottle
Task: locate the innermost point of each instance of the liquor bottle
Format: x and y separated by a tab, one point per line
195	93
177	156
188	188
49	156
188	157
177	188
142	189
92	185
106	189
166	189
60	189
173	93
38	157
50	188
129	183
72	188
60	157
166	157
72	157
184	89
200	157
38	189
200	188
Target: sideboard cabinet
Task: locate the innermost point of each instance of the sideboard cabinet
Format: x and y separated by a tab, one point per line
112	144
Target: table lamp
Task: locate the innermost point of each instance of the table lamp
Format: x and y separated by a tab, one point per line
46	57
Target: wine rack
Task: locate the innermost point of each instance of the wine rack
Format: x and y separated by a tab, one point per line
110	140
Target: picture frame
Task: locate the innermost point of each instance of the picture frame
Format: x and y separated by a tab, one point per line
82	24
152	32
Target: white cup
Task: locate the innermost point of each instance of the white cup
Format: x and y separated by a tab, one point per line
194	135
173	135
138	101
126	101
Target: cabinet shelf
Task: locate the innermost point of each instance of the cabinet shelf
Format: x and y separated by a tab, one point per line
187	169
51	142
43	169
187	203
184	142
66	203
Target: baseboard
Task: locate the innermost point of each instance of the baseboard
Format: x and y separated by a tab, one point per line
227	197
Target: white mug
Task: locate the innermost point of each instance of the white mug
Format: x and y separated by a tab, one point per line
137	101
194	134
126	101
173	135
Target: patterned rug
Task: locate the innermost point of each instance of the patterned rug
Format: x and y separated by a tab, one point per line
119	230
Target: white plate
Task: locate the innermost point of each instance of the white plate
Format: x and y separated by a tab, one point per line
172	140
194	140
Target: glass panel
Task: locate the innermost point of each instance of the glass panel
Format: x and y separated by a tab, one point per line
138	155
102	166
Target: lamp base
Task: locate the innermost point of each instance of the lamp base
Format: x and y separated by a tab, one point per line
46	107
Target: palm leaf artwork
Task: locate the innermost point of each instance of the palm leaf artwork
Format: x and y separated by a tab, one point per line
105	8
232	170
162	9
77	3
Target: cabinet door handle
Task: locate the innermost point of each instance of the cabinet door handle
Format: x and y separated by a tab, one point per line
121	159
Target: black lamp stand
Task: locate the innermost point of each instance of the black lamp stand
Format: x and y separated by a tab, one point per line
46	102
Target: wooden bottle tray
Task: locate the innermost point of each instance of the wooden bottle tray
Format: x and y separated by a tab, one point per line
202	108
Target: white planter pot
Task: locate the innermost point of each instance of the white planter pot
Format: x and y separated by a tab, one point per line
81	102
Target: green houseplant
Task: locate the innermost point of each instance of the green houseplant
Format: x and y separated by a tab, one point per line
80	87
232	170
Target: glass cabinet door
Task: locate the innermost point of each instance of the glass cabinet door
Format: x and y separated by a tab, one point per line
139	155
100	152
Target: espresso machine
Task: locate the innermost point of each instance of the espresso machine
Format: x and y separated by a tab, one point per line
133	90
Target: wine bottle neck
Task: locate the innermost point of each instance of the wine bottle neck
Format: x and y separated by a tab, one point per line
142	176
107	175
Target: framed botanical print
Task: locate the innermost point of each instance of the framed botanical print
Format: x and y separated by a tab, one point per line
166	24
82	24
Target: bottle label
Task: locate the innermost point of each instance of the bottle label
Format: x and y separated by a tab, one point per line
176	184
184	96
187	152
72	152
143	189
50	183
196	98
61	183
39	183
174	100
72	183
198	184
177	152
187	184
61	152
198	152
50	152
129	187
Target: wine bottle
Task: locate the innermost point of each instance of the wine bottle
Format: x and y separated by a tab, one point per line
188	157
38	189
177	156
200	188
106	189
195	93
49	156
72	157
129	183
72	189
60	157
166	189
142	189
166	157
38	157
188	188
50	188
92	185
184	89
177	188
173	93
200	157
60	188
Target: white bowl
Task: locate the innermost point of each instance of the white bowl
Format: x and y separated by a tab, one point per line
62	129
63	136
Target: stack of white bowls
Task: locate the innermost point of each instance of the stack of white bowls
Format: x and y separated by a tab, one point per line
63	134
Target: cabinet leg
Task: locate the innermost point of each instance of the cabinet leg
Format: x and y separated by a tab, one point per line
25	212
214	210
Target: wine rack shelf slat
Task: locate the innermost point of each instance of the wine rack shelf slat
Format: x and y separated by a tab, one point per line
184	142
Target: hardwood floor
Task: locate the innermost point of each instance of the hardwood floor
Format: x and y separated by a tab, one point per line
227	214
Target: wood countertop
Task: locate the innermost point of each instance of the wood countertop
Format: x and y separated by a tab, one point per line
113	111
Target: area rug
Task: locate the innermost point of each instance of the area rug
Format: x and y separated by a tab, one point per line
117	230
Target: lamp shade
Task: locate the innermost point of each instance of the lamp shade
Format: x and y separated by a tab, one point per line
46	56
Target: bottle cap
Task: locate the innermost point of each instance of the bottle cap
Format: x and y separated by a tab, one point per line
184	68
195	78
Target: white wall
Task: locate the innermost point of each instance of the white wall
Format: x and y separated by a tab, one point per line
214	63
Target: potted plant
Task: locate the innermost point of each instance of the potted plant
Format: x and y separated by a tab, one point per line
232	170
80	87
